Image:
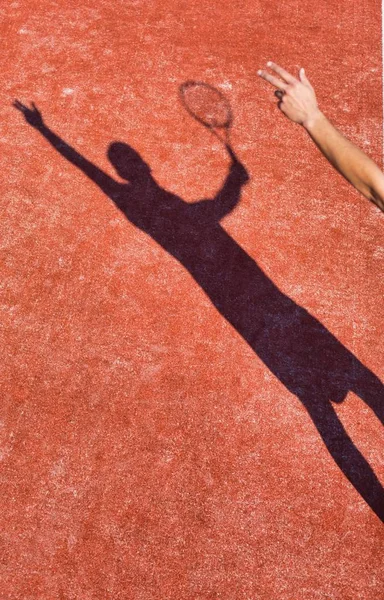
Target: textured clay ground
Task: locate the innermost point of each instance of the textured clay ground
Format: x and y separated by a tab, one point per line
169	427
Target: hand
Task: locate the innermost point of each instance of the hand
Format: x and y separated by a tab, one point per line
32	115
297	99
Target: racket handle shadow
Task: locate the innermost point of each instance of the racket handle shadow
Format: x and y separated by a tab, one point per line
225	140
231	152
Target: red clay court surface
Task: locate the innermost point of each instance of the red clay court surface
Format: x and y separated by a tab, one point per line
168	431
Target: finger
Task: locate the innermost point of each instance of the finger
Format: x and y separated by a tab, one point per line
272	80
19	105
303	78
288	78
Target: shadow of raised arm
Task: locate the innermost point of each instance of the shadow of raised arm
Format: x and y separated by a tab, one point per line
228	196
33	117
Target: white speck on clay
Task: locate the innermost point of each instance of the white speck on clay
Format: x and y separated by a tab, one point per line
226	85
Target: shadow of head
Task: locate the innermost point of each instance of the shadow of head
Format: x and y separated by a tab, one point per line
128	163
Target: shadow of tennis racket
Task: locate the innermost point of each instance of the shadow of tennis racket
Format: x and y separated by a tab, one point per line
209	107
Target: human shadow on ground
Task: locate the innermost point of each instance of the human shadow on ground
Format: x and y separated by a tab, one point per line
294	345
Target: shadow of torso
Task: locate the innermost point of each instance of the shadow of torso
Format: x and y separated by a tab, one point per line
293	344
307	359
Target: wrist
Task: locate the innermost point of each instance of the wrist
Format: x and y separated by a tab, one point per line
314	120
40	127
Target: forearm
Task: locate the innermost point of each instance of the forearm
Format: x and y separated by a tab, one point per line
106	183
348	159
228	196
61	146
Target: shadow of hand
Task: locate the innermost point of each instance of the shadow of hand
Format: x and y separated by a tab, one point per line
31	115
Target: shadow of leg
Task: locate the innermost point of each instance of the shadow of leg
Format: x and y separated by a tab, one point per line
370	389
348	458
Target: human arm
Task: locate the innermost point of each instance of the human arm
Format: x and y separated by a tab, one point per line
297	100
34	118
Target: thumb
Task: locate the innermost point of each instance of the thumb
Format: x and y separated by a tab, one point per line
303	78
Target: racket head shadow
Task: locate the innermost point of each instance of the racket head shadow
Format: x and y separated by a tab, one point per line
207	105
